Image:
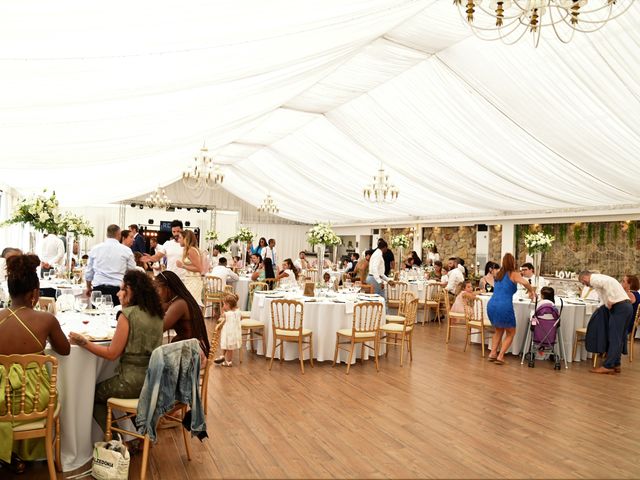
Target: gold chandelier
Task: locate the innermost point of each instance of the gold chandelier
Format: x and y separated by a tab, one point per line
203	173
157	199
268	206
510	20
381	190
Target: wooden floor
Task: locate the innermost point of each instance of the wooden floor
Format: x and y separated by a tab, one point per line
449	414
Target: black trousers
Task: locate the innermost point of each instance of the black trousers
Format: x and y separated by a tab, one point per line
620	314
108	290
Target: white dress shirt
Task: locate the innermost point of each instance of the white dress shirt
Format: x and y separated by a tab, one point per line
108	262
225	273
542	282
376	266
272	253
173	252
52	250
454	278
609	289
289	280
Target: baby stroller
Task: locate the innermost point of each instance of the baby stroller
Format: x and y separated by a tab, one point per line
544	335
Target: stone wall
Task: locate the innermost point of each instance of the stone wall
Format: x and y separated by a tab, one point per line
612	248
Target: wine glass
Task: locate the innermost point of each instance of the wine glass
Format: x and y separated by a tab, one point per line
95	295
107	303
81	304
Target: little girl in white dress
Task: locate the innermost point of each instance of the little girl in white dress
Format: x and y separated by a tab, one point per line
231	335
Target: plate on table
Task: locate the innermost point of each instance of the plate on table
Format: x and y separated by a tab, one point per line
277	295
92	311
100	338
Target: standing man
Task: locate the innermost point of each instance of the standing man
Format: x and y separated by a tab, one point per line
617	301
270	252
234	248
389	260
107	264
52	253
138	240
377	274
126	238
171	249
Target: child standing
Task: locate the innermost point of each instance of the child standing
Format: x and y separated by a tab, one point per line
231	335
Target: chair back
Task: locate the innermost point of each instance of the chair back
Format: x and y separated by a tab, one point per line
410	312
474	311
405	298
287	315
366	317
636	325
47	304
365	288
31	401
309	289
395	291
213	285
253	286
312	274
213	348
229	289
433	293
271	282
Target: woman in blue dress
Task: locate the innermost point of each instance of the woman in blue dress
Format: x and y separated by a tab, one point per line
500	307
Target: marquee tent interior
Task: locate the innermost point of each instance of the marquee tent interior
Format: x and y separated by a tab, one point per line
306	104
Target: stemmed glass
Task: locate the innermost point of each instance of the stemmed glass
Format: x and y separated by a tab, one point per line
96	299
107	303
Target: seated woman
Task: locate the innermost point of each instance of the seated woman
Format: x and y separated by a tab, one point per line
258	268
631	285
25	331
417	261
267	272
466	296
181	311
138	333
408	263
487	282
288	276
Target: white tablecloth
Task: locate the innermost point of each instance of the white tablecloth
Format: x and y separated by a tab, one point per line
242	290
573	316
78	374
323	318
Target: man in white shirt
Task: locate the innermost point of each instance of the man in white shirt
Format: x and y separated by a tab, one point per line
225	273
171	250
376	275
52	253
107	264
215	257
620	309
270	252
455	276
528	272
301	262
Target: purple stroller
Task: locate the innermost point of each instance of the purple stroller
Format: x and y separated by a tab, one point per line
544	336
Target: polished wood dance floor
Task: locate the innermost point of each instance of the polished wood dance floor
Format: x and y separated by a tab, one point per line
449	414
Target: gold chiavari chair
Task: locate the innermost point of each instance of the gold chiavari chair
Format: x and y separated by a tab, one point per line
312	274
476	320
252	327
287	318
454	319
394	293
204	372
632	335
405	298
432	303
405	329
366	322
213	292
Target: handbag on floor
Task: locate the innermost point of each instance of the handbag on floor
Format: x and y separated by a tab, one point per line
110	461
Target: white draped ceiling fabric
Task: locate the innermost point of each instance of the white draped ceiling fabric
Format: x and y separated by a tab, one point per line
304	100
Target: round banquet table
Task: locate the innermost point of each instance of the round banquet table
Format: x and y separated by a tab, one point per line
242	290
323	316
78	374
575	314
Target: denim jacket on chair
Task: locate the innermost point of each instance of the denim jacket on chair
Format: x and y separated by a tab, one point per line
172	376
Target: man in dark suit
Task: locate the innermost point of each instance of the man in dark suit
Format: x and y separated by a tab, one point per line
138	240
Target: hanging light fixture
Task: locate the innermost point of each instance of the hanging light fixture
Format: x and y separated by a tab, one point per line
203	173
381	191
510	20
157	199
268	206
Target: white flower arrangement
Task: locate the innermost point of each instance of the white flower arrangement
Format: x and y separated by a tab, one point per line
39	211
400	241
321	233
538	242
428	244
245	235
75	224
211	236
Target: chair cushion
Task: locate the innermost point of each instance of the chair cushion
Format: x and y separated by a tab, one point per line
38	424
292	333
346	332
395	318
245	314
477	323
581	330
251	324
123	403
394	328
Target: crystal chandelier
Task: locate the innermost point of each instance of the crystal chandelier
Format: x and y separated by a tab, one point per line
203	173
158	199
381	191
510	20
268	206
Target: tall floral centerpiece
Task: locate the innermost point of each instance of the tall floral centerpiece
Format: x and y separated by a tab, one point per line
400	242
321	235
73	226
40	212
536	244
245	237
211	237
